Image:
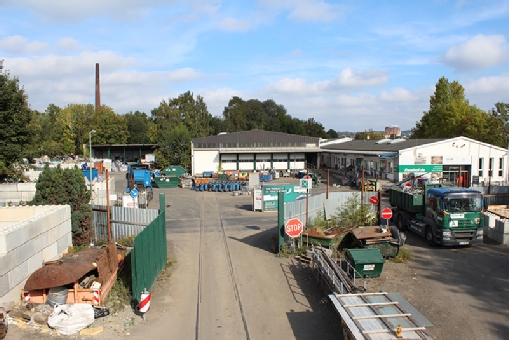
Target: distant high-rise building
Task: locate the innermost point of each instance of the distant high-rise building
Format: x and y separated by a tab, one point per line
392	131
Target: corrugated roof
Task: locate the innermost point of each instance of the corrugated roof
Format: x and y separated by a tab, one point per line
255	136
371	145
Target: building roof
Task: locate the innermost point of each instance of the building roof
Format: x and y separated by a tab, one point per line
254	138
384	145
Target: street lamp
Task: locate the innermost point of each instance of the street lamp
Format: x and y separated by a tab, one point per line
90	165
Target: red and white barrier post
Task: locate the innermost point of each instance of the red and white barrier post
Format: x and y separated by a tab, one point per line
144	302
26	296
96	298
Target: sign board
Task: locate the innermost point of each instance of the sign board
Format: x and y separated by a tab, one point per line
306	183
421	168
270	195
387	213
257	200
294	227
373	200
475	179
129	202
134	193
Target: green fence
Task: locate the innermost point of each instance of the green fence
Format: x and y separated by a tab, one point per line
149	255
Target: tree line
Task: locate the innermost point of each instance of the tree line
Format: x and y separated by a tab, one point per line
27	133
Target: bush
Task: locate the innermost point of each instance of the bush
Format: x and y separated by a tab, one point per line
404	255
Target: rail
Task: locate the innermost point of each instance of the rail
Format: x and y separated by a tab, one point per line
337	279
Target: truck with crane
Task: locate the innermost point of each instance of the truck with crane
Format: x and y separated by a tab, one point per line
445	216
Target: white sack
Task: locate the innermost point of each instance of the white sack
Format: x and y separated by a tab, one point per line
70	319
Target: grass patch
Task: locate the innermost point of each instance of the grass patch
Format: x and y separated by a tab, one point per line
403	256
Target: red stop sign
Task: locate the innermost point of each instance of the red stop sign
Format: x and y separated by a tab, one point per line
387	213
294	227
373	200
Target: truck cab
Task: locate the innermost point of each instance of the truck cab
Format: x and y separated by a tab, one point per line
453	216
443	215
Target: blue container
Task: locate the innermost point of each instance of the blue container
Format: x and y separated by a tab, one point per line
86	173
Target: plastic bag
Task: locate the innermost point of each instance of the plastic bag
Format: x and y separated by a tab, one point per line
70	319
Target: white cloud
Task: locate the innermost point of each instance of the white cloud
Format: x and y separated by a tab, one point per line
68	44
68	11
479	52
183	74
307	10
314	11
397	95
17	44
486	91
347	81
253	20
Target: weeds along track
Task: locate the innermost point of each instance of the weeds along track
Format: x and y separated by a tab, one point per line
212	231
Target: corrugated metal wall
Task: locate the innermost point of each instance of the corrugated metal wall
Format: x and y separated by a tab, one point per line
318	204
149	255
124	221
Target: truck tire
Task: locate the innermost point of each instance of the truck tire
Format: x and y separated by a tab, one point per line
430	236
399	223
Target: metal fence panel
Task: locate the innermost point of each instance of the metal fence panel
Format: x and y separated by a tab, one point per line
124	222
149	255
318	205
493	189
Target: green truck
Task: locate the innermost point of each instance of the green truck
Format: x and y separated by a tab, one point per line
443	215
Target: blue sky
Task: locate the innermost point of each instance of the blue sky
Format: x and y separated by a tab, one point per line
351	65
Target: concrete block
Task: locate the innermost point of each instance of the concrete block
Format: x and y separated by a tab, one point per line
63	244
16	238
13	296
50	253
18	274
490	233
23	252
500	225
35	228
39	243
4	284
7	262
30	187
35	262
500	237
493	220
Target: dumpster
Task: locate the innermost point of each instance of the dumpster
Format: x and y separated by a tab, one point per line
367	262
86	173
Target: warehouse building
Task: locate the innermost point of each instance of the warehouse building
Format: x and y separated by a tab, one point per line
254	150
458	160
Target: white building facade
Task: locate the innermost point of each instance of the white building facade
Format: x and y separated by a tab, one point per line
254	150
460	160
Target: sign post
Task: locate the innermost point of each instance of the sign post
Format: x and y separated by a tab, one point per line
294	227
387	214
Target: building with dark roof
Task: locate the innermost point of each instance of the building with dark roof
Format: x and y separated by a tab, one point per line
253	150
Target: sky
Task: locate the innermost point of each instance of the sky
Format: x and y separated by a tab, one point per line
350	65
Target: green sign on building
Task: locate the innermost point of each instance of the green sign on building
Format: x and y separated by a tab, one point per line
421	168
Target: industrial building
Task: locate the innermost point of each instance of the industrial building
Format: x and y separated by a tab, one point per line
124	152
253	150
458	160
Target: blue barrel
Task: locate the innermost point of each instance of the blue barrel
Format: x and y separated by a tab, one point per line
201	187
86	173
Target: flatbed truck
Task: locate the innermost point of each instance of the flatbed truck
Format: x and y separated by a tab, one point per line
443	215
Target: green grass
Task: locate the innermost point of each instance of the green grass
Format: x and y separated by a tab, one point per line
403	256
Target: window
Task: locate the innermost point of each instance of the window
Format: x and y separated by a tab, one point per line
481	165
500	167
490	168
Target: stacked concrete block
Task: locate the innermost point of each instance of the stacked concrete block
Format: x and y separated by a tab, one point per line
489	224
30	236
501	231
17	192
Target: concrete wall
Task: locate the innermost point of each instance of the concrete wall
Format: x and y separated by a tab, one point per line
29	236
17	192
496	228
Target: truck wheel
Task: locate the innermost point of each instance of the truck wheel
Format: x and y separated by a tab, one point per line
399	223
430	236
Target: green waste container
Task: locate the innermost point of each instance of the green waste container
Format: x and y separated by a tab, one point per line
367	262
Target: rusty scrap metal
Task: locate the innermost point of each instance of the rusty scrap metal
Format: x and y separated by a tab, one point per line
72	268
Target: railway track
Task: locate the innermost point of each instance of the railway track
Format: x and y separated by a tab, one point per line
208	226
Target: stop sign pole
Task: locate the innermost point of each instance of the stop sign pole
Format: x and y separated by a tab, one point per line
387	214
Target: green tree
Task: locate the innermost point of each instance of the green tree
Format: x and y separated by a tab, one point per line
235	115
354	214
451	115
138	127
111	128
332	134
67	186
370	134
76	122
498	125
16	128
174	147
49	133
